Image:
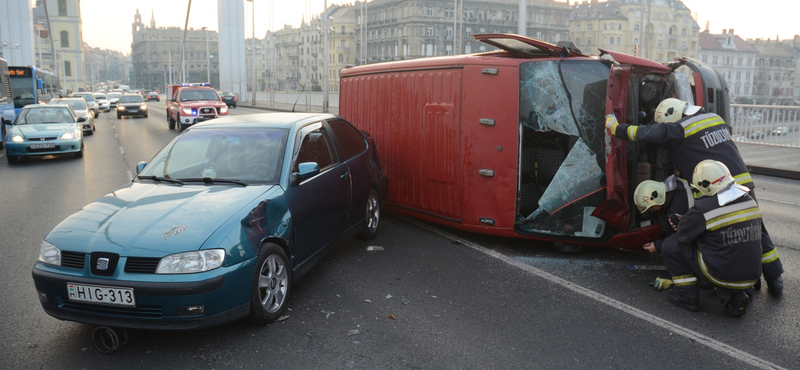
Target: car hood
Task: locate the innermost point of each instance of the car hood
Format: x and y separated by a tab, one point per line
39	130
152	220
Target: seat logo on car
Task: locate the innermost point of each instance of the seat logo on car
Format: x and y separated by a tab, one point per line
102	264
175	230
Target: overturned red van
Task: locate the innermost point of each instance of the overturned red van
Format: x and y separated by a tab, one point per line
513	143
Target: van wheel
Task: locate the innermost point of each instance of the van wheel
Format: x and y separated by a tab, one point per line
171	123
569	248
272	283
373	217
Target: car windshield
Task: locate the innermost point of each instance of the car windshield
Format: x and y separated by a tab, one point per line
113	95
76	105
131	99
226	93
34	116
253	155
199	94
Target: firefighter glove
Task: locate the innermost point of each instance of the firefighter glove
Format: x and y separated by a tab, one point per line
611	123
661	284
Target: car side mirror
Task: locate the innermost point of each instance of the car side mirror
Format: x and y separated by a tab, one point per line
82	119
140	166
305	170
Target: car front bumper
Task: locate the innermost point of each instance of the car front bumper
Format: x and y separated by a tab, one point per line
60	147
161	300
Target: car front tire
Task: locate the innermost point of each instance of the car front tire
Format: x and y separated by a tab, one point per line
373	217
170	122
80	153
12	158
272	283
119	116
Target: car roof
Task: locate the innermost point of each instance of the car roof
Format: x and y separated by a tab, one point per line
281	120
68	99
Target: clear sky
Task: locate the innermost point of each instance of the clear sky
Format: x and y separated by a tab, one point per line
107	23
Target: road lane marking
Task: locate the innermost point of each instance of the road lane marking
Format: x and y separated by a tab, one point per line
672	327
121	151
130	176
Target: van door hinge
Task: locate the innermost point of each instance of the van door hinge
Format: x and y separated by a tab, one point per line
487	173
486	121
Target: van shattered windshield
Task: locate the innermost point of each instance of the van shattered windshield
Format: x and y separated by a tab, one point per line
562	159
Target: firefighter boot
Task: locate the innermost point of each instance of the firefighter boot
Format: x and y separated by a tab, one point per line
775	286
737	305
686	297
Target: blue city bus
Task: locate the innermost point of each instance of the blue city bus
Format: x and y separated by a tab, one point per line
31	85
7	112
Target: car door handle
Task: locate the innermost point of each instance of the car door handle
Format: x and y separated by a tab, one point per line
344	175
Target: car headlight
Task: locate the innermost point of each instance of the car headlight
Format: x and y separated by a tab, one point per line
187	110
120	107
143	107
191	262
49	253
224	109
68	136
17	139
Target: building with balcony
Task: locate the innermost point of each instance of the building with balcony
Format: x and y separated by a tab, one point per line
408	29
776	69
157	53
660	30
735	59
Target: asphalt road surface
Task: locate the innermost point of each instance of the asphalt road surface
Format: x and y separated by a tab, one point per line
432	298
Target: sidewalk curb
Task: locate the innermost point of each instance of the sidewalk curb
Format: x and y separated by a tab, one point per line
774	172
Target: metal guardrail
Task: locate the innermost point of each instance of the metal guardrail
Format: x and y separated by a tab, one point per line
765	124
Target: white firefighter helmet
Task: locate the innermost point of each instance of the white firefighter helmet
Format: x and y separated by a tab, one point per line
671	110
711	176
649	193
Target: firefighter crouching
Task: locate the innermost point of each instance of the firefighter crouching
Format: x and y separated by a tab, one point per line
669	199
718	240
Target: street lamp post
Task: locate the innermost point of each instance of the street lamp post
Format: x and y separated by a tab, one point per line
253	69
325	61
208	58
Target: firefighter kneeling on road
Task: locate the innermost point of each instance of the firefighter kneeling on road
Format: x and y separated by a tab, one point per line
669	199
718	240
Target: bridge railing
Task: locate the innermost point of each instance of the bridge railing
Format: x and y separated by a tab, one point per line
766	124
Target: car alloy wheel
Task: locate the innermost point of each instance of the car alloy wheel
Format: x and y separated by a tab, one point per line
271	284
373	217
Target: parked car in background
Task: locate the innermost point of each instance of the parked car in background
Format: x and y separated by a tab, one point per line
153	96
79	107
783	130
229	98
41	129
246	205
131	105
755	135
102	102
89	97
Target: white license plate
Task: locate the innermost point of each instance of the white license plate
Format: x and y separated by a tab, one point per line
133	110
101	294
43	146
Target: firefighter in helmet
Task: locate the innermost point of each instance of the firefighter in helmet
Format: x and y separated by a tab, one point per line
696	135
669	199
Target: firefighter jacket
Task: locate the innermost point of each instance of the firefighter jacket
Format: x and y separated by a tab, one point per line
728	239
679	199
693	139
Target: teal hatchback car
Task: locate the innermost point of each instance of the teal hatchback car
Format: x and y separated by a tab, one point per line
216	227
44	130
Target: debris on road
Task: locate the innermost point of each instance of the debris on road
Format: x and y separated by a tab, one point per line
391	317
353	332
373	248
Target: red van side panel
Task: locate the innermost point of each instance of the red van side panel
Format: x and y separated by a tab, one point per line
492	200
420	156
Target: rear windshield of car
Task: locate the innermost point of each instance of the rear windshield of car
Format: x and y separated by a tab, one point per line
250	155
47	115
87	97
113	95
74	104
131	99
